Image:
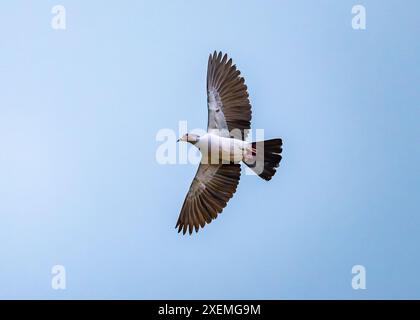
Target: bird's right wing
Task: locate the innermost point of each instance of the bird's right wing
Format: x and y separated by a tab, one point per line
229	110
211	189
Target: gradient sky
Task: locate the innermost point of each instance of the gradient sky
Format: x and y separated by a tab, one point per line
80	186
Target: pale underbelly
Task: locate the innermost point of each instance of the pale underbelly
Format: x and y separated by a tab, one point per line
218	150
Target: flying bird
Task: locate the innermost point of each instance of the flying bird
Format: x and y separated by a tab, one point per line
223	147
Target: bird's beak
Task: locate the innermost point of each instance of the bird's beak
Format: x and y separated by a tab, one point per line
178	140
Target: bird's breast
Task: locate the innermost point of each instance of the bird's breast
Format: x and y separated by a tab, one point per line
217	150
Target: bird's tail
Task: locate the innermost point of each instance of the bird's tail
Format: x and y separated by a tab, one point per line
265	157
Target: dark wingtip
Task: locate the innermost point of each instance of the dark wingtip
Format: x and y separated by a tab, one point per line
179	227
225	57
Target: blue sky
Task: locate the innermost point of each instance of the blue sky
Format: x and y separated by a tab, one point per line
80	186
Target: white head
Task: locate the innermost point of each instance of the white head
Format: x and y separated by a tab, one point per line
190	137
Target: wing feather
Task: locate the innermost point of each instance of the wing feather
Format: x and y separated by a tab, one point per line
210	191
227	98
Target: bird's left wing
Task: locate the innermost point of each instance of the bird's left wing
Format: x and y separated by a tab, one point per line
229	109
211	189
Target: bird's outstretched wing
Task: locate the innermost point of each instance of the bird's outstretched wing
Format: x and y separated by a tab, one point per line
211	189
229	110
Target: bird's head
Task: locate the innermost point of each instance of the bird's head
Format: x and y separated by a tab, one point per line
190	137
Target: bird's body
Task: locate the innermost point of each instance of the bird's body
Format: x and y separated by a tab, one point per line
223	147
216	149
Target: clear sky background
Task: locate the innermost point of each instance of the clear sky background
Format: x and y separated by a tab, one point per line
80	186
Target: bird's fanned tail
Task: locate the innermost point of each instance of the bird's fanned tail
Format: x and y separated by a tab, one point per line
266	157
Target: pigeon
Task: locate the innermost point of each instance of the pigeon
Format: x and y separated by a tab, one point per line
224	147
